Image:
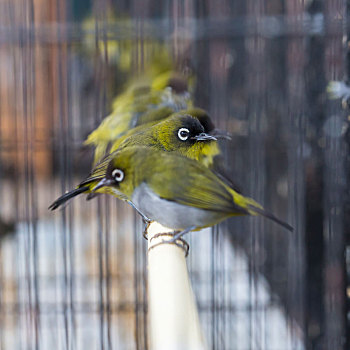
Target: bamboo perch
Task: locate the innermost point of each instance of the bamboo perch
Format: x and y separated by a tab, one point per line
173	316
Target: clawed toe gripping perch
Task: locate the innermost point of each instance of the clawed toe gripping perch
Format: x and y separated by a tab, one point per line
173	238
146	224
178	241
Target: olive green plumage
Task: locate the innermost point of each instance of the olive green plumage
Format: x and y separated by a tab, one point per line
144	124
176	191
146	100
171	177
164	136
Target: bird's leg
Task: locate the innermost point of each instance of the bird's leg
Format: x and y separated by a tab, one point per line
146	221
144	217
181	243
176	239
178	235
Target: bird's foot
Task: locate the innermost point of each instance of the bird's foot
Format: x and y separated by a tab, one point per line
179	242
178	234
146	223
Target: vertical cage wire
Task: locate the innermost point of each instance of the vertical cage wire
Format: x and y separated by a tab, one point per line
334	179
294	131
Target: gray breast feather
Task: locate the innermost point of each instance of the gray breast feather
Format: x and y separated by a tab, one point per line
171	214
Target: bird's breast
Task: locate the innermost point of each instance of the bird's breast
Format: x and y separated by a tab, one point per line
169	213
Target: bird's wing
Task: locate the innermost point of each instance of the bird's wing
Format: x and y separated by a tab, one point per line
195	186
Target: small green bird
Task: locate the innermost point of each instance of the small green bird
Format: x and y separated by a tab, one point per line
180	133
144	101
195	112
178	192
191	135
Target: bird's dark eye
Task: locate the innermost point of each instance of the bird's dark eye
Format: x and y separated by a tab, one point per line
118	175
183	134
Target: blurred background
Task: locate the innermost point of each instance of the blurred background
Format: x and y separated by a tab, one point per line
76	278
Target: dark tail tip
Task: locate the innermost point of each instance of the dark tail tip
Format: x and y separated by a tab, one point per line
67	196
272	217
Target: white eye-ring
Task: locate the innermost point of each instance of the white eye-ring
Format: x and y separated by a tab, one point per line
118	175
183	134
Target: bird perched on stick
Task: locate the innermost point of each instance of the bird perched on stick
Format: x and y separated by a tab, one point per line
176	191
180	133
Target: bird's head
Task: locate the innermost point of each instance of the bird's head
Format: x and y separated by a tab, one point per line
118	177
183	134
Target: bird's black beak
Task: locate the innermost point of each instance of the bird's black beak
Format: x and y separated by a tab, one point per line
204	137
221	134
104	182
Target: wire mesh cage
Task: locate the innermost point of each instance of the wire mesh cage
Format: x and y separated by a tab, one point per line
76	278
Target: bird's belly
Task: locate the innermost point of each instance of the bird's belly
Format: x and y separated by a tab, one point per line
172	214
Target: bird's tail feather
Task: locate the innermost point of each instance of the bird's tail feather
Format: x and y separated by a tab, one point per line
67	196
257	210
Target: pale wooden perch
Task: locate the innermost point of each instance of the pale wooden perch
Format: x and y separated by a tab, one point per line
173	316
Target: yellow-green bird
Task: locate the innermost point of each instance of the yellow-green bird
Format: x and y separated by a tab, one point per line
145	100
178	133
208	153
181	133
176	191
